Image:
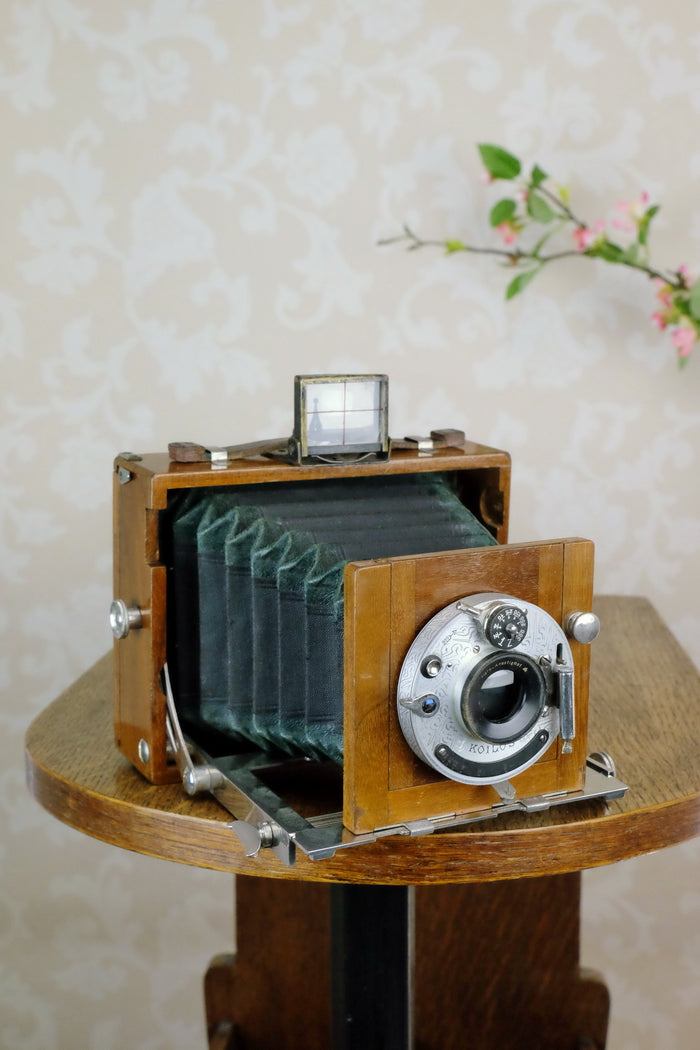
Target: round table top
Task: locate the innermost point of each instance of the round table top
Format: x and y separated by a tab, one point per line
644	711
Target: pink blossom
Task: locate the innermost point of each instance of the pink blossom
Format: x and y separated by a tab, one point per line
668	312
663	293
683	339
684	273
586	236
583	237
508	231
631	212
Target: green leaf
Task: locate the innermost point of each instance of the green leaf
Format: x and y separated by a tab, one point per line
498	162
694	301
521	282
643	230
681	301
537	176
502	211
538	208
612	253
455	246
631	255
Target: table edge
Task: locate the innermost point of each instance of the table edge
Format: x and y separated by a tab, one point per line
443	857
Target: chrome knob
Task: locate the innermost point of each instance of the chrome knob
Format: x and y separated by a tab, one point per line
202	778
583	627
254	837
122	618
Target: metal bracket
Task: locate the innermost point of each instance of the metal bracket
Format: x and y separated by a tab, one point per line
265	821
602	762
221	455
444	438
564	677
195	778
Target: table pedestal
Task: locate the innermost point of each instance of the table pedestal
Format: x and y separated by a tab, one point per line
483	952
491	966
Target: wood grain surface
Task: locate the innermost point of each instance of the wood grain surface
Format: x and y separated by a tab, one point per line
644	710
495	965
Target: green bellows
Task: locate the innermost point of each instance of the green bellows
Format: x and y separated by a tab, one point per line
255	596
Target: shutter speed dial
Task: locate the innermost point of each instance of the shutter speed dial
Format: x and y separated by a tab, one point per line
505	626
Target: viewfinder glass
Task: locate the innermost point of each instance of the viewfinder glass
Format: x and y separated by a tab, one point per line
343	414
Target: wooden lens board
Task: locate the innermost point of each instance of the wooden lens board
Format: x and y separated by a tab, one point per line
386	603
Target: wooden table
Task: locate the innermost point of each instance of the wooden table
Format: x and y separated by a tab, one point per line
481	924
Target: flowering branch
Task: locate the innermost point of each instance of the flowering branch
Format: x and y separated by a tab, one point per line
536	206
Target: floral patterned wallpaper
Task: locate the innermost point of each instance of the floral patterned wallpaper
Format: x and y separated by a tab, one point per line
193	191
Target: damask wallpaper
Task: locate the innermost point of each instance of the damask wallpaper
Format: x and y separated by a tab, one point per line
193	192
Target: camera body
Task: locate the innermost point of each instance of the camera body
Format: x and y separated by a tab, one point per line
461	671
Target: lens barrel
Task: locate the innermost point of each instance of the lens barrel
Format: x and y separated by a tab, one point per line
503	697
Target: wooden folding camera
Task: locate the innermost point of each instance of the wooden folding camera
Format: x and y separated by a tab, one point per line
333	635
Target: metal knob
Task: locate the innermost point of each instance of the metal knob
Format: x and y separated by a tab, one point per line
202	778
582	627
122	618
254	837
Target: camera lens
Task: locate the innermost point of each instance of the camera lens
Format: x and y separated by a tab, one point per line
503	697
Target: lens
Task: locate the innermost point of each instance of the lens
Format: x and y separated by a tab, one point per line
503	697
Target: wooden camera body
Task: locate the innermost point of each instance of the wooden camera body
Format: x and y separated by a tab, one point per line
387	602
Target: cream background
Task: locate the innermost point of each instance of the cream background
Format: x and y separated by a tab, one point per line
192	193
